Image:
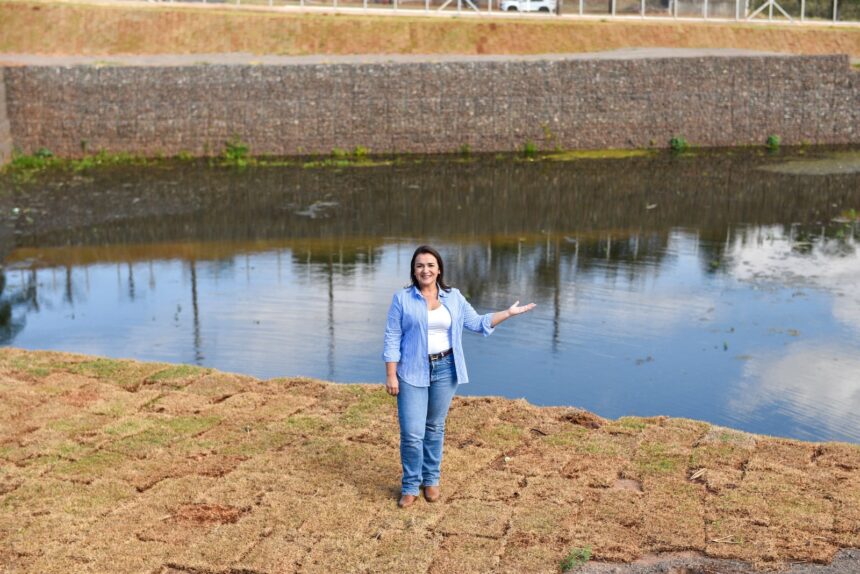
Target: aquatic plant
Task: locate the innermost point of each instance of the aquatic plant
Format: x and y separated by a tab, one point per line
678	144
530	149
772	142
236	152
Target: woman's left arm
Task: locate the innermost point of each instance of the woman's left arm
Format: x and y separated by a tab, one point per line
515	309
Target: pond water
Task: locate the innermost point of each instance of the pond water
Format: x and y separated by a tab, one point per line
717	286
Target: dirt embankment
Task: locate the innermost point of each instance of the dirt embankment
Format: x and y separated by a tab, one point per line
123	466
69	29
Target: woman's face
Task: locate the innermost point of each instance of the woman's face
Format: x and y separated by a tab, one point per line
426	269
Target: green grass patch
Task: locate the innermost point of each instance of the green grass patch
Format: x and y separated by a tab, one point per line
76	425
177	372
370	404
92	465
502	435
32	365
654	458
600	445
306	423
574	155
162	432
567	438
25	167
126	427
100	368
575	558
626	425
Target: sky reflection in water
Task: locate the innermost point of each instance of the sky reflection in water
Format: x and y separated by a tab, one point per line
723	306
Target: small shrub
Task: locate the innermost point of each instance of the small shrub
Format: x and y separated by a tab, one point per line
360	152
236	152
772	142
575	558
466	150
338	153
678	144
43	153
530	149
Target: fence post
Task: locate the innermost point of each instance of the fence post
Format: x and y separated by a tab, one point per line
737	10
835	12
613	7
705	10
802	10
642	8
581	7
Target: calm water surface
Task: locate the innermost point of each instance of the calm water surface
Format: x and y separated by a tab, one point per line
720	286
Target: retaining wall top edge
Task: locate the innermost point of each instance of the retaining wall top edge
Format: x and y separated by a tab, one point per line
242	60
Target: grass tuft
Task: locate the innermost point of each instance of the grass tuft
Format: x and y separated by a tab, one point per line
575	558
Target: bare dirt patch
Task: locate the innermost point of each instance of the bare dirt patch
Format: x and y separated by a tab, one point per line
302	476
208	513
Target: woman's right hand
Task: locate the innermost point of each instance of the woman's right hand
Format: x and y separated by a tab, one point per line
392	385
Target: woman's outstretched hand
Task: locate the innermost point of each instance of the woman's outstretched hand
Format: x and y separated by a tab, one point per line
517	309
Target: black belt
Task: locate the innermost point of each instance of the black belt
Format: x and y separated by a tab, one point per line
437	356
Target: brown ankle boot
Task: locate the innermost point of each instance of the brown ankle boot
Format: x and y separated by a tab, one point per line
407	500
432	493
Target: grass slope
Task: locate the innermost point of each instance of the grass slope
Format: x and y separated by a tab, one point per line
81	29
123	466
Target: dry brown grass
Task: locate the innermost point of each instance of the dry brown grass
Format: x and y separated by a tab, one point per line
80	29
124	466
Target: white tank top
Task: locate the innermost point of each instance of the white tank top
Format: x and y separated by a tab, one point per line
438	330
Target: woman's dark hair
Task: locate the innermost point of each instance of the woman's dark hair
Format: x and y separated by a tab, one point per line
439	280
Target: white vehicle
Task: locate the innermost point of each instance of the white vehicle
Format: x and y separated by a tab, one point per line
528	5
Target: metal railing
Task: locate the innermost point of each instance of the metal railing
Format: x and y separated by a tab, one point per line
824	11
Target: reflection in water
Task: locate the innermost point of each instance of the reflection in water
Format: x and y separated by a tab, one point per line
681	286
810	386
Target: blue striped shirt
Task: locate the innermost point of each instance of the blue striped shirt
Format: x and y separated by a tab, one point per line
406	333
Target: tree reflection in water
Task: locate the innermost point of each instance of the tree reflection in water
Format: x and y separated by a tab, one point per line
638	266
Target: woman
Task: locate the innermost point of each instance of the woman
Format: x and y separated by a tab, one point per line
424	364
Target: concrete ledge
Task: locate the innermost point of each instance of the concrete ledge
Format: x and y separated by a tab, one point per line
423	104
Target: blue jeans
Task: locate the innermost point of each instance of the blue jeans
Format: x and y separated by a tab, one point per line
422	412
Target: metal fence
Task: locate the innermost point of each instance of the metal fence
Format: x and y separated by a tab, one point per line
836	11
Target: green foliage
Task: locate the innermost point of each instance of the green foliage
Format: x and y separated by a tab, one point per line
339	157
43	153
466	150
772	142
678	144
236	152
530	149
575	558
177	372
